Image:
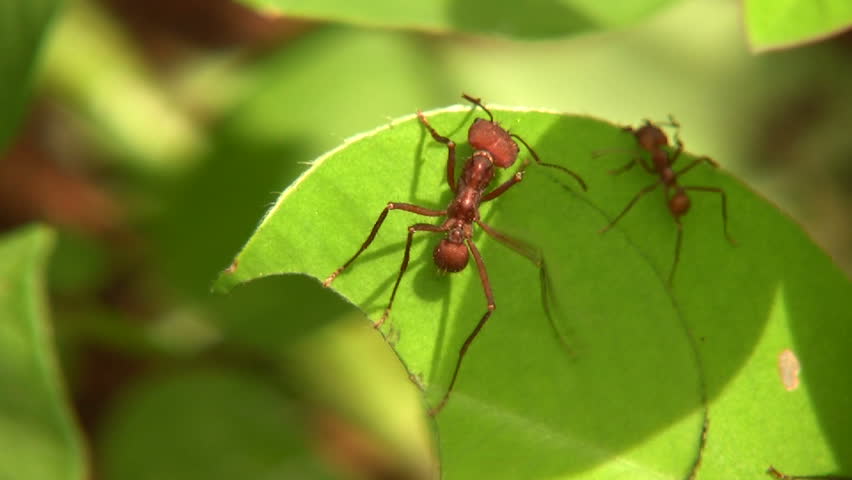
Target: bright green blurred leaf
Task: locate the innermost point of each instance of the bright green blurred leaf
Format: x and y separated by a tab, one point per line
531	19
776	24
209	425
22	26
330	370
38	439
629	396
92	66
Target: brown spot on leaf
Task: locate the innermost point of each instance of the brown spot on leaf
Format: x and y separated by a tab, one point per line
789	368
233	267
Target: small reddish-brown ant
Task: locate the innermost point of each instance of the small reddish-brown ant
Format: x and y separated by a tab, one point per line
493	147
781	476
652	139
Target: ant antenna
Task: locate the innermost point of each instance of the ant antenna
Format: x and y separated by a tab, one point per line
551	165
478	102
673	122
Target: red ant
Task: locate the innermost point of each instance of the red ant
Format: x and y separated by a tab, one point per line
493	147
651	139
772	471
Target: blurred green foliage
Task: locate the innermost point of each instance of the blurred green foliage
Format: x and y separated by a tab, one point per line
531	19
777	24
160	132
37	436
22	28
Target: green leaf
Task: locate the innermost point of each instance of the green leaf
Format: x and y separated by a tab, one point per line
275	133
212	424
22	27
533	19
111	88
328	366
38	438
774	24
628	399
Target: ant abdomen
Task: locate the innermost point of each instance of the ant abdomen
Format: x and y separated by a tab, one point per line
492	138
679	203
450	256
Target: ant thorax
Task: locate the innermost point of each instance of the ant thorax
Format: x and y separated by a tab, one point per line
478	171
661	159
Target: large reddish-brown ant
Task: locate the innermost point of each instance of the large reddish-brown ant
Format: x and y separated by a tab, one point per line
652	139
493	147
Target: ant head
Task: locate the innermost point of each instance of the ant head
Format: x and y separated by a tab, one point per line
651	137
491	137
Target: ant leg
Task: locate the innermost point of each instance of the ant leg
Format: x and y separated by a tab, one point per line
519	246
606	151
477	102
550	165
627	166
534	255
451	150
781	476
677	152
674	123
671	123
693	164
489	295
724	208
677	250
391	206
649	167
501	189
648	189
544	280
417	227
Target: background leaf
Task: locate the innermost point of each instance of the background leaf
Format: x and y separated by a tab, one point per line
22	26
776	24
187	124
630	396
535	19
200	414
38	438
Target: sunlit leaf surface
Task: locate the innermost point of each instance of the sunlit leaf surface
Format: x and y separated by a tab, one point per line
647	363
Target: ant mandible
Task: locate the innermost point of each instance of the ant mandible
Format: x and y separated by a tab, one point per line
493	147
652	139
